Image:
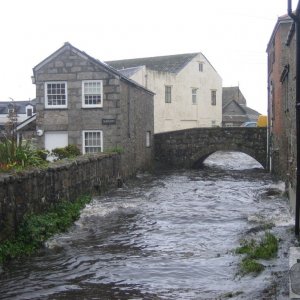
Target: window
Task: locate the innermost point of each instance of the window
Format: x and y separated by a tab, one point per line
148	138
56	94
168	94
92	93
200	66
92	141
194	96
213	97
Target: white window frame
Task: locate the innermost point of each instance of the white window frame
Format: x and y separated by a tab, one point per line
101	94
47	105
29	108
194	96
148	139
95	146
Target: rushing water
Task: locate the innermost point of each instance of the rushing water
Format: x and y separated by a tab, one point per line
164	236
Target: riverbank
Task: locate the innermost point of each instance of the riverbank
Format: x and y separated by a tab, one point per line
36	190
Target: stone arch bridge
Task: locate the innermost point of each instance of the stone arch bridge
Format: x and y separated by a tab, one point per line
190	147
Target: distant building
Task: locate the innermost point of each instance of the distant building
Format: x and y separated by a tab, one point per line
22	109
281	52
83	101
24	112
188	90
235	111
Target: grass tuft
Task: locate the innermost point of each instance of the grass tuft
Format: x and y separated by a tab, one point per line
249	265
267	248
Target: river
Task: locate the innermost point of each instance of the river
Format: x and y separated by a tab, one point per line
170	235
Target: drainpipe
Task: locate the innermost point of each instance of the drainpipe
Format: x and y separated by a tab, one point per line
296	18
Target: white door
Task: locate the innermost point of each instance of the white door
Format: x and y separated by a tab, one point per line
56	139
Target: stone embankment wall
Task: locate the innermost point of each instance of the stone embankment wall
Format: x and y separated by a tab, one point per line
36	190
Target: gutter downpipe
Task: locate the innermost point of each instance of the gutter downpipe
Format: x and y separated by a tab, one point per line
296	18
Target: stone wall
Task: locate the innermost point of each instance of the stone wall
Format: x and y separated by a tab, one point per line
36	190
190	147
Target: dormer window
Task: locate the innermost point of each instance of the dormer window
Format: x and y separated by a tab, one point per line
29	112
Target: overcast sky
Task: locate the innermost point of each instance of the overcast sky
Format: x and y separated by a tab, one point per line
232	34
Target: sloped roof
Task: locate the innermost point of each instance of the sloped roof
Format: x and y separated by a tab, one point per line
26	122
169	63
234	110
251	112
93	60
130	71
19	105
281	20
233	93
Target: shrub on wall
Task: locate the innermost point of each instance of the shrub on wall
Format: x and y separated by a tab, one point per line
66	152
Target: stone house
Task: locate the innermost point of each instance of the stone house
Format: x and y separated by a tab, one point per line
281	103
83	101
235	110
188	89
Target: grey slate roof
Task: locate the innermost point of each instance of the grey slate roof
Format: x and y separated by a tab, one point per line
169	63
129	72
233	111
233	93
19	105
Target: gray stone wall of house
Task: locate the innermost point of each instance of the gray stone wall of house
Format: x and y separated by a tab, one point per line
73	69
138	118
35	191
129	105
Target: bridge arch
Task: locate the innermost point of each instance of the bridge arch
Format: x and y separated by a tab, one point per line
189	148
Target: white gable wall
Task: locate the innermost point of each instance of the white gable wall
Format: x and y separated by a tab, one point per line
181	113
203	113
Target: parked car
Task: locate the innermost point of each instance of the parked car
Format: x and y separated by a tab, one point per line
249	124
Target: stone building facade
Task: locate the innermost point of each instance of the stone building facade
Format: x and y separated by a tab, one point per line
84	102
281	52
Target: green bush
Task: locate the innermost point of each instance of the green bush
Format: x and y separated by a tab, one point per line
66	152
37	228
117	149
13	156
